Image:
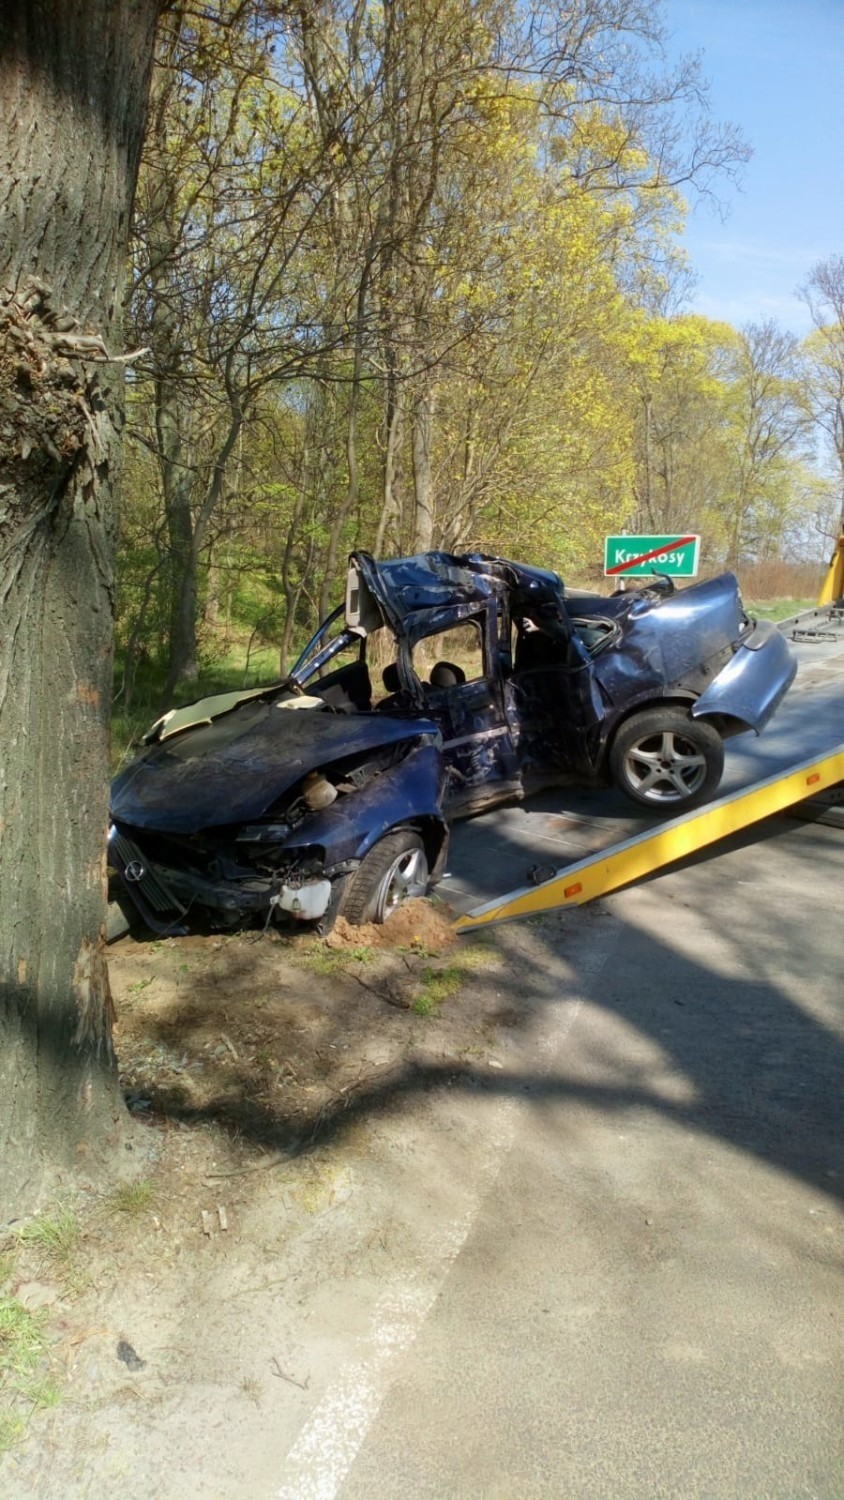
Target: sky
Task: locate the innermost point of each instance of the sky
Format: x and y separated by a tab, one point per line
776	69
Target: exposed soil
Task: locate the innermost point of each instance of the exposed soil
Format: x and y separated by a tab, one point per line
268	1078
268	1037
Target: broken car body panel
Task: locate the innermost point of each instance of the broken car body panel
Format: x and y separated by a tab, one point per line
753	683
237	804
241	764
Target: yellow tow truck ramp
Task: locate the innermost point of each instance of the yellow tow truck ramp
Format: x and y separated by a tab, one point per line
647	852
833	585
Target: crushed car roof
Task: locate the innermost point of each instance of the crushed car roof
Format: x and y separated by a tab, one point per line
406	586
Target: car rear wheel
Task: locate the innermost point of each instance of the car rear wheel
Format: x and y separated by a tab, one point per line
394	870
664	759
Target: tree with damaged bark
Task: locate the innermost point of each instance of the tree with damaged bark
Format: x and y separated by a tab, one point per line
73	85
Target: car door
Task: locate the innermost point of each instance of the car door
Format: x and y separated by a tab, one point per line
553	702
463	694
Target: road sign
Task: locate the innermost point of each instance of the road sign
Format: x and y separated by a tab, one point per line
634	556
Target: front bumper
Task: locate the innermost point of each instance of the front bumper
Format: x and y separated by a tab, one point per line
163	896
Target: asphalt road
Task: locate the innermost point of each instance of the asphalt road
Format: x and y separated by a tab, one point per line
495	853
631	1280
648	1300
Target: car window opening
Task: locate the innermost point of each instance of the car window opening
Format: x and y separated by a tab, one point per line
451	658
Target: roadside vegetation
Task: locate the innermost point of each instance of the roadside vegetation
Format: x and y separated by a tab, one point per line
417	283
44	1247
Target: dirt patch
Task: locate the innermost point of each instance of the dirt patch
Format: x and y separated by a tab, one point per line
267	1037
416	925
263	1075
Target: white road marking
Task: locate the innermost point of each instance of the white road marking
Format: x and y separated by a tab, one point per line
331	1439
323	1454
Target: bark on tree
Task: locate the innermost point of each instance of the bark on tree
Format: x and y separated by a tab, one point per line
74	76
422	437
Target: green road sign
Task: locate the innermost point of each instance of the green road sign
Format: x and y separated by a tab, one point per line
634	556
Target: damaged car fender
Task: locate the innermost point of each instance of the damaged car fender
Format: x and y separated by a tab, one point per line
406	795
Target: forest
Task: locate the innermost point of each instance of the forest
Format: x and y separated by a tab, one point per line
408	275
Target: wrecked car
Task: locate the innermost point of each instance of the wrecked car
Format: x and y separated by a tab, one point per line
443	685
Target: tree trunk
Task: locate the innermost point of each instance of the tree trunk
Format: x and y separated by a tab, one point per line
421	438
293	591
188	537
390	503
167	341
73	83
184	655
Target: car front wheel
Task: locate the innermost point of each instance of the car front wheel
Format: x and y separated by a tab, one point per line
395	869
665	760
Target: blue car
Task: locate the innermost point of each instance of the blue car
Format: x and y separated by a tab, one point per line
443	685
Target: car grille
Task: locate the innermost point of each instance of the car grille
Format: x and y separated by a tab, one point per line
149	885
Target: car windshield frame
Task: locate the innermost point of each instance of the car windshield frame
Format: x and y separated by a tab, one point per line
315	656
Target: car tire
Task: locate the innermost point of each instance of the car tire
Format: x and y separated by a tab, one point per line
667	761
324	924
394	870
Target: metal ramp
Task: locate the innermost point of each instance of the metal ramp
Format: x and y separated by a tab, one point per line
820	625
633	859
826	622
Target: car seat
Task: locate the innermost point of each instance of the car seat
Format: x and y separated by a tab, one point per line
347	689
392	684
444	674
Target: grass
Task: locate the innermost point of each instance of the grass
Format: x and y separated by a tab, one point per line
322	960
55	1236
22	1338
441	984
778	609
438	985
132	1198
481	954
228	674
25	1384
26	1381
12	1429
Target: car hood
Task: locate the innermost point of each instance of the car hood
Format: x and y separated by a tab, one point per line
236	767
